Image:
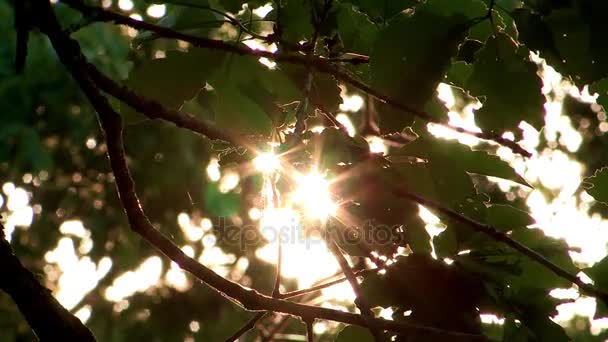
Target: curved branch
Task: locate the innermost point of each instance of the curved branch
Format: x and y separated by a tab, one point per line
49	320
155	110
71	56
360	302
248	326
320	64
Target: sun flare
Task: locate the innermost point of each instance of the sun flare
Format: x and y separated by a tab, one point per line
312	193
267	162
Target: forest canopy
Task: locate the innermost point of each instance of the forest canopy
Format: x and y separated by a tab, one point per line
303	170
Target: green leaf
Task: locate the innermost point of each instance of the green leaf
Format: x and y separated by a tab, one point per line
597	185
337	147
506	217
324	90
187	19
353	333
234	6
535	34
439	295
445	174
472	10
460	233
357	33
507	79
544	329
411	72
374	290
570	37
382	11
601	88
247	96
171	80
535	275
459	73
446	244
417	237
372	192
295	20
599	274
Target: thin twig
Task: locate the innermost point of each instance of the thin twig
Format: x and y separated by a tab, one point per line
320	64
276	291
361	302
310	336
248	326
319	287
277	329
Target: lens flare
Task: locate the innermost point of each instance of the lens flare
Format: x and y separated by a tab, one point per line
267	162
312	193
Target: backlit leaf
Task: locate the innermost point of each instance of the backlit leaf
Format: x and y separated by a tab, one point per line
504	76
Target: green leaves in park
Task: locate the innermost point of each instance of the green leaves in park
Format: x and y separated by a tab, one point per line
597	185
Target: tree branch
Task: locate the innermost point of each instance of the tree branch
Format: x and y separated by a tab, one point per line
320	64
49	320
360	301
248	326
155	110
319	287
310	336
495	234
71	56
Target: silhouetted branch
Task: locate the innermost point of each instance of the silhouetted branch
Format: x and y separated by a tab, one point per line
71	56
317	63
155	110
310	336
495	234
248	326
319	287
49	320
360	301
